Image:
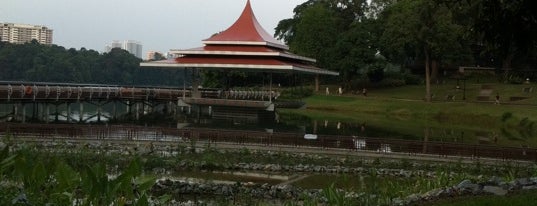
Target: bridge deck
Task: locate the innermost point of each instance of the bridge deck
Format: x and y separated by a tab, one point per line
52	92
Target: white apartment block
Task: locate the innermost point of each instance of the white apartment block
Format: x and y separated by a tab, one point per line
133	47
22	33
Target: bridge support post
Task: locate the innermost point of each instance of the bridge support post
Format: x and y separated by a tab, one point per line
114	110
68	112
81	112
35	110
128	110
137	115
15	111
56	113
99	108
40	111
47	113
23	107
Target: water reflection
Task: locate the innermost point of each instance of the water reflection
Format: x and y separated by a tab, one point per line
384	127
372	126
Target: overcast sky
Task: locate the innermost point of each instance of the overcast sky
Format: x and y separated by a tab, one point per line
160	25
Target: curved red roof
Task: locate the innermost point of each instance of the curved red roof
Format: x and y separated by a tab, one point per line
245	29
244	46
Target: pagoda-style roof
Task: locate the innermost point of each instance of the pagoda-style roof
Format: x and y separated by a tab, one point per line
245	31
245	45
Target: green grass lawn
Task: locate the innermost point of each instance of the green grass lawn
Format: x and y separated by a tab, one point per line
403	110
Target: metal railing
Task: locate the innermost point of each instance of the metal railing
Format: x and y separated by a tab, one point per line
262	138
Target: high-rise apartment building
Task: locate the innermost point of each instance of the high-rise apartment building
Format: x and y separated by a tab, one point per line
133	47
22	33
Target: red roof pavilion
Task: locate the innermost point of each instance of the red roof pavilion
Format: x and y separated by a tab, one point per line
245	45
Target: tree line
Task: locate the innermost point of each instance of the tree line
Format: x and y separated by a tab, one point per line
359	39
51	63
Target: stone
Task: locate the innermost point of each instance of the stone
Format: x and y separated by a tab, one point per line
413	198
530	187
466	184
433	194
495	190
524	182
398	202
495	180
534	179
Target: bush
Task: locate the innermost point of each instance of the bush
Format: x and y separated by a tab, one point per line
389	82
412	79
376	73
294	93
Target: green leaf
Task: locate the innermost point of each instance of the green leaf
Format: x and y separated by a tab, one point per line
39	176
145	183
67	178
143	201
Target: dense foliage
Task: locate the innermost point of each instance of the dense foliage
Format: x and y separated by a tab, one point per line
35	62
356	37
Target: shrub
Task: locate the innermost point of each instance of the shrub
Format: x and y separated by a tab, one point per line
412	79
294	93
375	74
389	82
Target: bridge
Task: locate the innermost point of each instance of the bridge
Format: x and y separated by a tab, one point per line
40	98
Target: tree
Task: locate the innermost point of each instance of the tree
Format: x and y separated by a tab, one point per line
331	32
51	63
420	28
356	49
316	31
507	28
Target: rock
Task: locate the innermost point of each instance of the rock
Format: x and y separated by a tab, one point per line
531	187
495	180
524	182
465	184
495	190
398	202
412	198
534	180
249	184
433	194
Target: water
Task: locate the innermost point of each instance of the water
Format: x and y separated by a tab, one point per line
366	126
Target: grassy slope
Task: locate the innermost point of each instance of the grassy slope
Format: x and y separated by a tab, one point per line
405	106
404	110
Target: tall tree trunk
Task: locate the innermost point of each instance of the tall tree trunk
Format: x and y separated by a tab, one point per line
506	64
427	76
434	70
